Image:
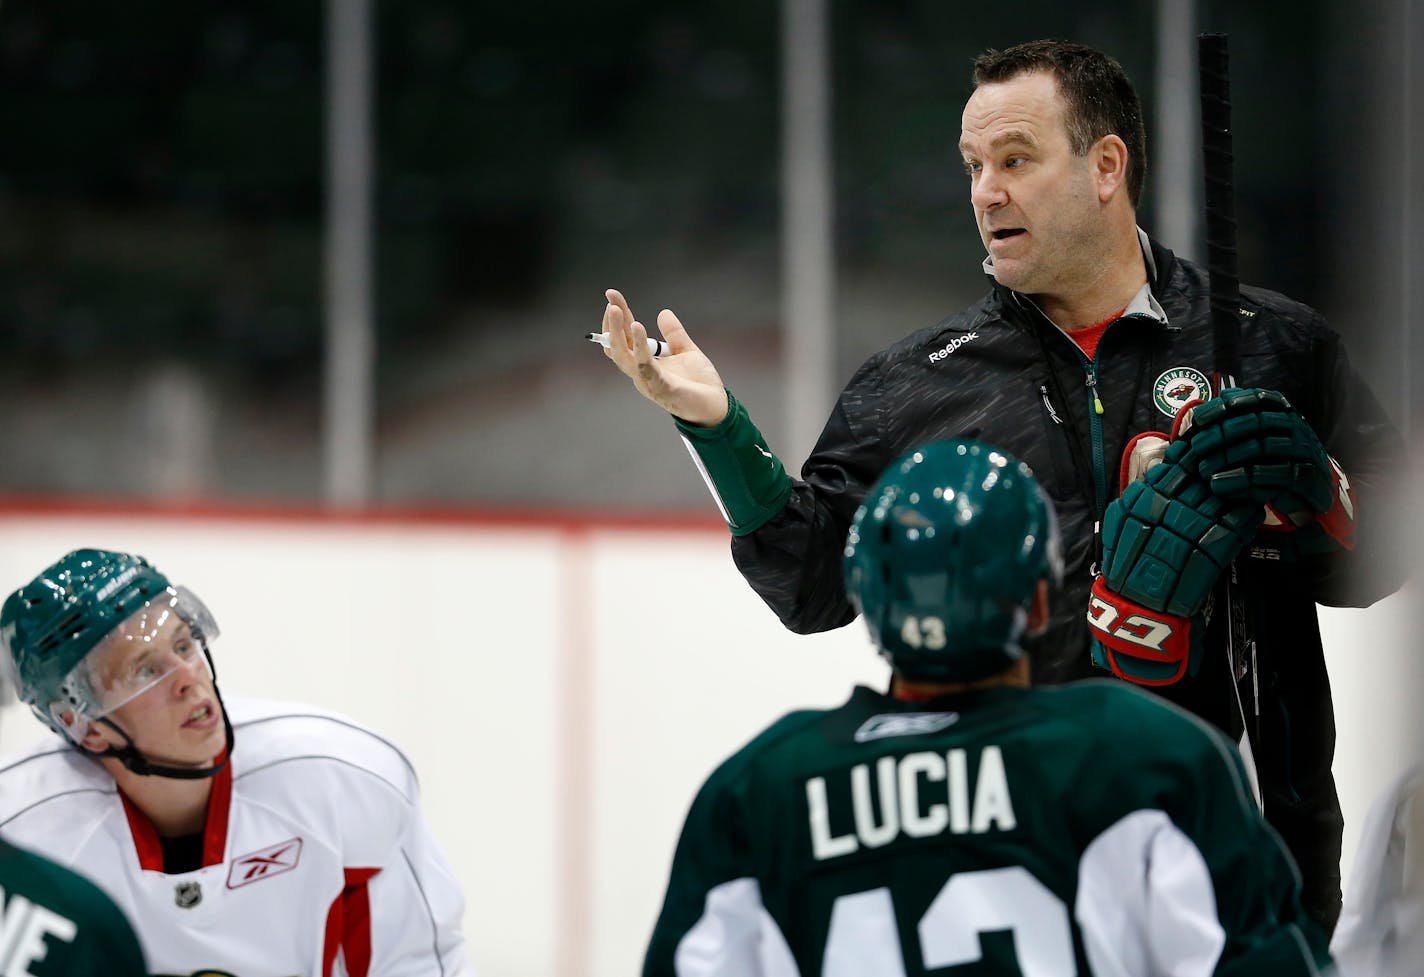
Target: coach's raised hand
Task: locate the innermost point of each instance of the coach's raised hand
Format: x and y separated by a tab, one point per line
684	383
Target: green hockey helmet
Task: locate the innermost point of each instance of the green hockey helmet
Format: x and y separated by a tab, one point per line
60	632
944	557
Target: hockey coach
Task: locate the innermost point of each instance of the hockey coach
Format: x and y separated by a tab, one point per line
1200	532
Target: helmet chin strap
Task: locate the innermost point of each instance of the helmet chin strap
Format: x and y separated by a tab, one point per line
137	763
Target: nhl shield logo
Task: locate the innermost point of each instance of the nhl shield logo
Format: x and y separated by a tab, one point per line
187	894
1178	386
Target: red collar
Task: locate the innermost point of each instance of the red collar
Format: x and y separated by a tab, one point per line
904	695
1087	337
145	835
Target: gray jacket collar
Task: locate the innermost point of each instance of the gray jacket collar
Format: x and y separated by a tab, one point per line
1143	304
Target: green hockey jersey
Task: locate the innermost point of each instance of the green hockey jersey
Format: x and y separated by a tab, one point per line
1085	830
53	923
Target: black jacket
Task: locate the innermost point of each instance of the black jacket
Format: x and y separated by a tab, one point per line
1001	372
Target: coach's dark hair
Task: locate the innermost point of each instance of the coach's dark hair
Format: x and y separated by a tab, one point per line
1100	99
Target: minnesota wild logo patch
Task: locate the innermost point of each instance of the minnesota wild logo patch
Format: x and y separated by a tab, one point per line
1177	386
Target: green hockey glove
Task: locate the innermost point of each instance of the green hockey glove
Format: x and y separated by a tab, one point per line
1166	540
1252	445
1139	644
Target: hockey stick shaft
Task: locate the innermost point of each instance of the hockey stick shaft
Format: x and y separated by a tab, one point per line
1225	289
1214	68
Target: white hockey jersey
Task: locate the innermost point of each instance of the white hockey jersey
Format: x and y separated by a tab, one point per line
1381	925
317	861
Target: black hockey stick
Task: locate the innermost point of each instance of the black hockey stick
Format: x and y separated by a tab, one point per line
1215	69
1225	294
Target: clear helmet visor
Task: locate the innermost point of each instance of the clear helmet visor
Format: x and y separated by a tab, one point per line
169	632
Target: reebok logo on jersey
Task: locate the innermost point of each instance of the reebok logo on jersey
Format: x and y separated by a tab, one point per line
904	724
264	864
954	344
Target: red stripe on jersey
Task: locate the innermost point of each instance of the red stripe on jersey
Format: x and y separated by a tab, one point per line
145	837
219	802
348	926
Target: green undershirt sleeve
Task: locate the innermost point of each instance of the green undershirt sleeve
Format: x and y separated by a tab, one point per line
748	482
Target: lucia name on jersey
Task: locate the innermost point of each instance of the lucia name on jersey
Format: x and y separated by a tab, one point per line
901	801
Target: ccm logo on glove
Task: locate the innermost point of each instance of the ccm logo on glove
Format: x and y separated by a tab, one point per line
1125	629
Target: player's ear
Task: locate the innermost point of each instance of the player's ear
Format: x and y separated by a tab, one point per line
1109	159
93	738
1038	610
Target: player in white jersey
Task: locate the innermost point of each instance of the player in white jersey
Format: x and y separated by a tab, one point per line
253	839
1381	931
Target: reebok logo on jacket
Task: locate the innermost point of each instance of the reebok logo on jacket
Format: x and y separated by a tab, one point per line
954	344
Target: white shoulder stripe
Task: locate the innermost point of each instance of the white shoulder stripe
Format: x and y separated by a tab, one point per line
1145	901
735	937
